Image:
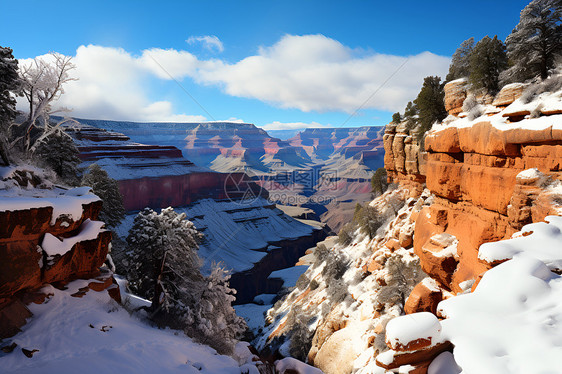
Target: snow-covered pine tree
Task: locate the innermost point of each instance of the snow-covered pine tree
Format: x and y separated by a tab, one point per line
58	152
411	115
218	324
535	44
107	189
487	60
460	64
430	104
9	84
164	267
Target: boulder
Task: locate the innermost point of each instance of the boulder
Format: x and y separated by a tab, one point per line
455	93
439	258
508	94
392	359
424	297
337	354
444	141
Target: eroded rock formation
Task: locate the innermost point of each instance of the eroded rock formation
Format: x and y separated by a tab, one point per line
490	176
29	260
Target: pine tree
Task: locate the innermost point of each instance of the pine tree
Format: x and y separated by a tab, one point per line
9	84
459	67
378	182
396	118
164	267
411	115
59	153
430	104
487	60
535	44
107	189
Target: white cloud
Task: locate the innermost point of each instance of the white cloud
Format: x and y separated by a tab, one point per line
309	73
291	125
113	84
316	73
209	42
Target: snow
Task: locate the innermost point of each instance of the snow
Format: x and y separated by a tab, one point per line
238	235
290	276
290	363
64	202
510	323
130	301
405	329
444	364
542	240
253	314
431	284
530	175
122	168
53	246
61	332
265	298
386	357
548	101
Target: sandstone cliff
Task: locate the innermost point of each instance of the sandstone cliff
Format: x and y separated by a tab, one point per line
491	174
478	178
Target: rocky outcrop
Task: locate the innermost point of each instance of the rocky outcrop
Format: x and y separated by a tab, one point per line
489	178
29	260
455	93
404	160
473	171
508	94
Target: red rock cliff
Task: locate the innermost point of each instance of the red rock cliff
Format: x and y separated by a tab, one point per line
472	170
26	266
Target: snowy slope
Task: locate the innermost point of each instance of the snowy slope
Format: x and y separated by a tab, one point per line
237	234
512	322
94	334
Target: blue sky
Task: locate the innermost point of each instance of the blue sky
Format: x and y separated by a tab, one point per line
277	64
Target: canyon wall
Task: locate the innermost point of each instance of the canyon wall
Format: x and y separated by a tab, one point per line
472	169
157	176
492	170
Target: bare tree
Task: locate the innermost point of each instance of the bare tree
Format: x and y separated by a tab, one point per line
42	84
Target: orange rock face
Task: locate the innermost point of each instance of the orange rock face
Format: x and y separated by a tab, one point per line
473	173
403	161
480	195
423	299
455	93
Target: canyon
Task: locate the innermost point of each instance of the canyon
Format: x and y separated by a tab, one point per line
242	229
325	169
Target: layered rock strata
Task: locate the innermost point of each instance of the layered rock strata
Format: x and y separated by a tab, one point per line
490	176
157	176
